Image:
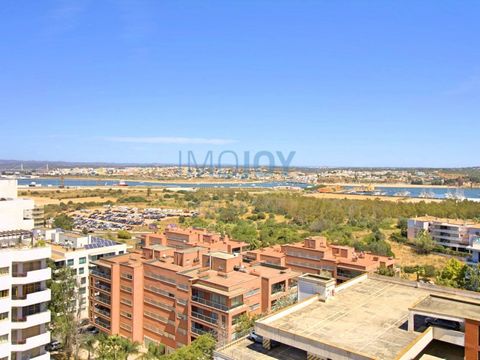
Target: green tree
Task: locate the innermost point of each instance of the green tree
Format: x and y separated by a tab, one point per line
200	349
124	234
472	278
452	274
63	221
63	307
402	224
245	323
154	351
116	347
424	243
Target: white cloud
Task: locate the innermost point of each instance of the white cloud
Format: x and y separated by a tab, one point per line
168	140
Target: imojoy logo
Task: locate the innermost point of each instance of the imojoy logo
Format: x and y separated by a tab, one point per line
245	161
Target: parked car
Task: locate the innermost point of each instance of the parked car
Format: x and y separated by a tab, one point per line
442	323
90	330
255	337
53	346
259	339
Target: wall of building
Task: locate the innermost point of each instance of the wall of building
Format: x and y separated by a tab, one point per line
472	340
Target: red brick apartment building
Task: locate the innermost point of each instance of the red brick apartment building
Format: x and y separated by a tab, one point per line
314	255
173	294
184	283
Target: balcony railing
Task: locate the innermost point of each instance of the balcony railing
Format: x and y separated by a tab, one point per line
200	331
102	311
210	303
101	274
215	304
277	289
100	286
102	323
103	299
209	319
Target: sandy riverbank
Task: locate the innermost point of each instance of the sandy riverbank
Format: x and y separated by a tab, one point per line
403	185
369	197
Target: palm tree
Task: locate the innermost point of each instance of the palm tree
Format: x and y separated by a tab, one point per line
116	348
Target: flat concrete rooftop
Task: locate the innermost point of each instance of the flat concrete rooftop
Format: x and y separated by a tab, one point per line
365	318
449	306
245	349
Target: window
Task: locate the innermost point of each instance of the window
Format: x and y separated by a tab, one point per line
83	290
82	260
182	301
3	339
3	316
4	271
127	276
125	327
81	271
237	301
254	307
126	314
83	280
126	301
126	288
252	292
3	293
70	262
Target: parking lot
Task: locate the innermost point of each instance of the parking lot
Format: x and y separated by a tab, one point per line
114	218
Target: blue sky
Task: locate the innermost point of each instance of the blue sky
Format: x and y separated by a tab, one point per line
342	83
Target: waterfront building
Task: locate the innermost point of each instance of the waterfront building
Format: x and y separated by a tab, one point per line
451	233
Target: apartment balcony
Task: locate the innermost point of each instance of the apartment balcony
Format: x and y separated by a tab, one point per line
32	298
30	277
209	303
205	318
101	274
103	287
102	324
45	356
31	343
196	330
102	312
103	299
278	288
4	349
31	320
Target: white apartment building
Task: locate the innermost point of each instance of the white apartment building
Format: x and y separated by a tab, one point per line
24	297
78	251
474	248
15	213
456	234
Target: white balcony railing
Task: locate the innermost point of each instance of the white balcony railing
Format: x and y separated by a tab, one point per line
32	320
33	298
32	342
31	277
